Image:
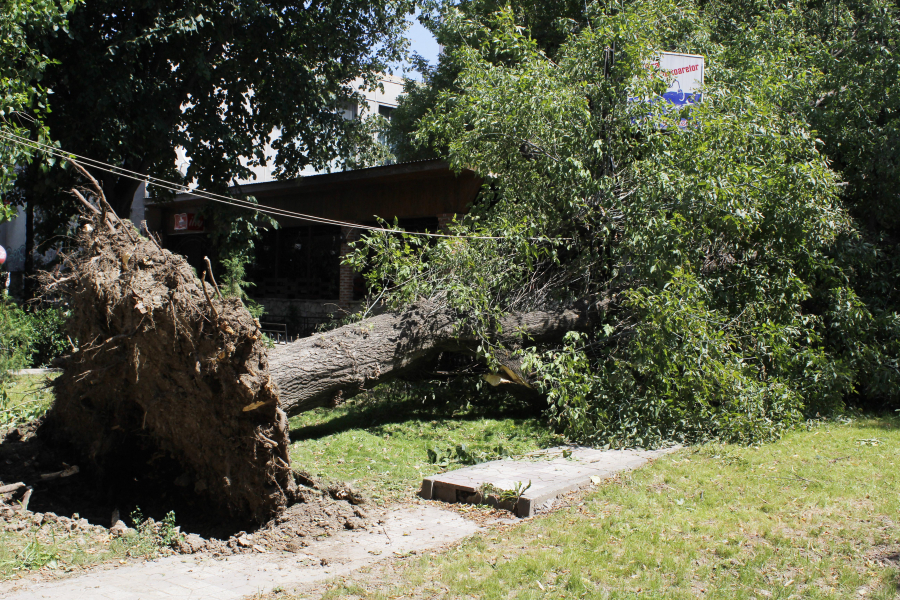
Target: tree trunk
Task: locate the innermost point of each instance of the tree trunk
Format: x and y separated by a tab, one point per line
312	371
28	286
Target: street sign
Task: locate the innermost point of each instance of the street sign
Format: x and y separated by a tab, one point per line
683	74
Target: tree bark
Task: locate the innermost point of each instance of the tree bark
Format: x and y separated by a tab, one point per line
28	277
310	372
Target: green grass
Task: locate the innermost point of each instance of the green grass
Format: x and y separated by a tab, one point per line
379	442
811	516
24	398
53	547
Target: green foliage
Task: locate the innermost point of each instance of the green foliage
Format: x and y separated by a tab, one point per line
845	61
29	338
548	23
501	495
460	454
15	338
26	339
235	286
48	336
228	82
232	233
152	538
23	98
737	291
33	556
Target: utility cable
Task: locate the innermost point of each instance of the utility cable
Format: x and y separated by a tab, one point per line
214	197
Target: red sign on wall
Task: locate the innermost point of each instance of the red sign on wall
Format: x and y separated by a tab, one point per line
188	222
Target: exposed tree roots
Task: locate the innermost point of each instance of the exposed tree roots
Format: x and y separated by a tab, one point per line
166	373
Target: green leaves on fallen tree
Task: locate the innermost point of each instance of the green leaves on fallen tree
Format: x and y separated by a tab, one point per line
707	248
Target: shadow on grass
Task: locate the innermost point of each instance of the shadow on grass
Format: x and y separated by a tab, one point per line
887	420
399	402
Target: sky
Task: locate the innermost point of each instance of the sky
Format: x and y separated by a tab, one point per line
422	42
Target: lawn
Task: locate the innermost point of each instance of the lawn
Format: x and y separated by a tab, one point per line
814	515
24	399
379	442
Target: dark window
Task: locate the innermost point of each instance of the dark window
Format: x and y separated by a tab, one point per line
193	247
298	263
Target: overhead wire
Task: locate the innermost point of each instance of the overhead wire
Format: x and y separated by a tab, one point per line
214	197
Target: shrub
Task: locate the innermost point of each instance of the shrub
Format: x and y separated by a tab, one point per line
29	338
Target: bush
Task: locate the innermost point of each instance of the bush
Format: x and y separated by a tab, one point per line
29	338
48	337
15	338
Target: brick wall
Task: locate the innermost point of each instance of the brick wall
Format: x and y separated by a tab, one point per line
345	296
444	219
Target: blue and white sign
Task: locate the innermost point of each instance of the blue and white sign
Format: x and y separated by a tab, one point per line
684	73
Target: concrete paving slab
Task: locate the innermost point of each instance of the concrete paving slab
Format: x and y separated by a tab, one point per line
201	577
547	473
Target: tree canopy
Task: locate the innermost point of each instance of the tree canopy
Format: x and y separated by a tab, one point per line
737	274
133	81
23	98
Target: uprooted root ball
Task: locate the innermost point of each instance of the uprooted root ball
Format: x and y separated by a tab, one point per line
168	379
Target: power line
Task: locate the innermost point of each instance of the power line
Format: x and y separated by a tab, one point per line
213	197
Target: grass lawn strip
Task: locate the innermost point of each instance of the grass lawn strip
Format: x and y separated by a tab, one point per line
380	443
814	515
27	398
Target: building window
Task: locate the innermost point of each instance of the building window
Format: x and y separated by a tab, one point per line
349	111
298	263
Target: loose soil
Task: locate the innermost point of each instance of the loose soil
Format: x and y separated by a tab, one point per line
65	503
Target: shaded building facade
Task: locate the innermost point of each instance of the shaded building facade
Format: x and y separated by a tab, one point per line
297	272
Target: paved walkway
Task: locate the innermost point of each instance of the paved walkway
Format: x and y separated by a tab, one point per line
201	577
550	472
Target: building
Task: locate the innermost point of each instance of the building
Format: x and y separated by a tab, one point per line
297	273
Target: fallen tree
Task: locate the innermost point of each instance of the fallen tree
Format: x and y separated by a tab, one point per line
172	377
311	372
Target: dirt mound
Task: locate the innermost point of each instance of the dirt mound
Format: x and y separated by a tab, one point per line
168	378
314	515
38	488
